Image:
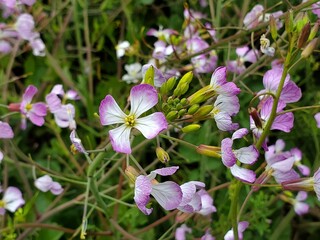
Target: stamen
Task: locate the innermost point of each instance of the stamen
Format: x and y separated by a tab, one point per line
130	120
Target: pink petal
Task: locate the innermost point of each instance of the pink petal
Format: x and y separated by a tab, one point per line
29	93
194	205
240	133
219	77
5	130
229	89
120	139
13	199
206	202
150	126
43	183
166	171
35	119
56	188
168	194
290	93
247	155
301	196
227	155
143	97
317	118
283	122
40	109
301	208
181	231
110	111
243	174
224	122
241	51
142	191
227	104
54	102
271	79
58	90
188	190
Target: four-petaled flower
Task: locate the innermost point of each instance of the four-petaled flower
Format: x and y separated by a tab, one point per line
11	201
143	97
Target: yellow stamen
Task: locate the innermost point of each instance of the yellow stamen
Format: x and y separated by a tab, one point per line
28	107
130	120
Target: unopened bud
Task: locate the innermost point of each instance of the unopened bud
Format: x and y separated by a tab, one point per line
131	173
191	128
183	84
14	107
289	21
182	112
168	85
301	20
165	107
149	76
273	28
193	108
314	31
184	101
201	95
203	111
255	117
309	48
210	151
304	35
172	115
162	155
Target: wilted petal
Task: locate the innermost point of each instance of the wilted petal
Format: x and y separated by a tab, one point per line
13	199
43	183
151	125
110	111
120	139
5	130
243	174
247	155
143	97
76	142
142	191
168	194
227	155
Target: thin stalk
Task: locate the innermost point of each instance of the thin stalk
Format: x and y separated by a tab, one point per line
179	141
298	109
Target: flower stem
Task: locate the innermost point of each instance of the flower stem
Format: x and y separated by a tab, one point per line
298	109
179	141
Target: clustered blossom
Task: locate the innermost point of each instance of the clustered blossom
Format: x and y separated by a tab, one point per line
244	55
45	184
246	155
11	200
5	133
142	97
299	206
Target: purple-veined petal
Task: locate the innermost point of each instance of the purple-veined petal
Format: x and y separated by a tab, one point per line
143	97
281	177
110	112
13	199
247	155
35	119
283	122
188	190
142	191
40	109
5	130
243	174
43	183
56	188
206	202
29	93
168	194
290	93
271	79
159	79
150	126
54	102
229	89
227	155
120	139
219	77
194	205
240	133
282	162
224	122
166	171
227	104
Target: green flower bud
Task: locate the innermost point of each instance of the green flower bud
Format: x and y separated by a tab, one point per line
162	155
203	111
183	84
210	151
184	101
182	112
309	48
193	108
191	128
179	106
149	76
172	115
289	21
165	107
301	20
168	85
201	95
170	100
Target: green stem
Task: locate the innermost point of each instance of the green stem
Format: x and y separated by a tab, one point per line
298	109
283	224
178	140
85	208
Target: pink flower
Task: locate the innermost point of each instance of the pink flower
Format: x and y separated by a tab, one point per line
181	231
299	206
45	183
242	226
25	26
11	201
246	155
77	142
207	206
244	55
34	111
191	200
143	97
5	133
219	83
168	194
317	118
162	34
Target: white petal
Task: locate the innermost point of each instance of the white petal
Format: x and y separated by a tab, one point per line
150	126
110	111
167	194
120	139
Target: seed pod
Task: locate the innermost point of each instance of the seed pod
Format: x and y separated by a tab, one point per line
309	48
255	116
304	35
314	31
162	155
273	28
210	151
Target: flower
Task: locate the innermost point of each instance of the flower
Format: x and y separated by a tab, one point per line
244	55
134	73
181	231
5	133
265	46
121	48
76	143
246	155
162	34
168	194
191	200
11	201
206	203
220	85
35	112
317	118
241	227
207	236
143	97
300	207
45	183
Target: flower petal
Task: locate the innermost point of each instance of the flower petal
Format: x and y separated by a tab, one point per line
142	191
43	183
206	202
5	130
247	155
56	188
188	190
240	133
29	93
243	174
40	109
13	199
150	126
166	171
120	139
35	119
168	194
110	111
143	97
227	155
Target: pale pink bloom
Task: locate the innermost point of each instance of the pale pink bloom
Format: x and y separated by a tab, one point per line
219	83
121	48
45	184
317	118
181	231
244	55
299	206
70	94
191	200
64	116
143	97
161	50
77	142
37	45
205	63
25	26
168	194
207	206
133	73
196	44
5	133
242	226
162	34
11	200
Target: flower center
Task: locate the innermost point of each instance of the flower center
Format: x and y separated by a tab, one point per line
2	204
130	120
28	107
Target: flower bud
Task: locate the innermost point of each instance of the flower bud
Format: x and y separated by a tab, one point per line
309	48
210	151
184	101
304	35
203	111
149	76
191	128
193	108
314	31
172	115
201	95
131	173
255	117
14	107
162	155
273	28
168	85
183	84
182	112
301	20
